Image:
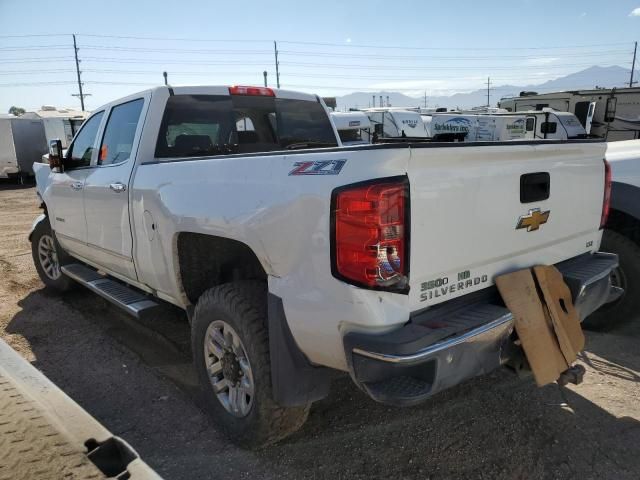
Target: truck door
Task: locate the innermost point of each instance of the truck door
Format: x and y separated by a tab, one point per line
64	196
590	113
106	190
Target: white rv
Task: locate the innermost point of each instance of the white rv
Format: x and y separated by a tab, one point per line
612	113
354	128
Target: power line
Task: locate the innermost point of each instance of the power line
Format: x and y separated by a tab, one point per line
37	35
29	84
417	57
404	47
37	60
34	72
34	47
183	39
176	50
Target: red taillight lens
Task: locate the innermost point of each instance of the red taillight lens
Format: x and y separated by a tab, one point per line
606	202
370	242
255	91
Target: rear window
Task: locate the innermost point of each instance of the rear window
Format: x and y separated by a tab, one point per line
205	125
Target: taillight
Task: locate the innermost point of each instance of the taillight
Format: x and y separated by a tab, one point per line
606	201
255	91
370	228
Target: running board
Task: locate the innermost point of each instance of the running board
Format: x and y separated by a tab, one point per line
128	299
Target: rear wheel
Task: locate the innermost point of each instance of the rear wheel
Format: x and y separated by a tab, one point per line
627	277
231	352
48	257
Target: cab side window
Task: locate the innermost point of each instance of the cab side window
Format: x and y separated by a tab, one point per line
119	133
79	154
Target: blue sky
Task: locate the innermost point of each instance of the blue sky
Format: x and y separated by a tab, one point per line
329	47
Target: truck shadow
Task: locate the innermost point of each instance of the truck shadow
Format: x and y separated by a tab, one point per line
16	183
497	426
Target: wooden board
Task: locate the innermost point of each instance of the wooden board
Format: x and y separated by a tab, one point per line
564	317
533	325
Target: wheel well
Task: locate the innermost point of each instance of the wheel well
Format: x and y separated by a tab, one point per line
624	224
206	261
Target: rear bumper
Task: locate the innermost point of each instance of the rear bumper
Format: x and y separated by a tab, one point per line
455	341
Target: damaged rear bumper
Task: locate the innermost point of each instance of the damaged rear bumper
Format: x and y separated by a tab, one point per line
455	341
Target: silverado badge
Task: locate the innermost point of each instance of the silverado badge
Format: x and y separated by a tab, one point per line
533	219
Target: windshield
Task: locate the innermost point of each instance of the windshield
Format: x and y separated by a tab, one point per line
205	125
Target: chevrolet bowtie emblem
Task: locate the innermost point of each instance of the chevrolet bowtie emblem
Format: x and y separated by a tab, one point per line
533	219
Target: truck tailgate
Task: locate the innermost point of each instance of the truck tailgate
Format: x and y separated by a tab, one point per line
480	211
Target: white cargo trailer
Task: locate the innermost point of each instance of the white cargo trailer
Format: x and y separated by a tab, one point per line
22	142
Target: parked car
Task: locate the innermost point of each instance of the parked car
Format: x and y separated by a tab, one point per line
296	257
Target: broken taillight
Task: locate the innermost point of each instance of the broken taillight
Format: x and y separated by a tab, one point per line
606	201
370	234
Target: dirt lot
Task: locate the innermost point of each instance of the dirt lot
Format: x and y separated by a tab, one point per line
138	381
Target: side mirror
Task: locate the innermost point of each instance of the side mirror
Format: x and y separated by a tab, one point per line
55	154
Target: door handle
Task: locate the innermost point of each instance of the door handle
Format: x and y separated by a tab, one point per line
76	186
118	187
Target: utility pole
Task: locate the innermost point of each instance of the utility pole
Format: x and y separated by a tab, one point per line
265	77
425	99
79	94
374	101
275	50
633	64
488	92
166	82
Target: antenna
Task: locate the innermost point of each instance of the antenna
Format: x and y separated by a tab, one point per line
275	51
633	64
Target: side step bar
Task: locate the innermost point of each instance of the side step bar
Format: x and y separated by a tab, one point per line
130	300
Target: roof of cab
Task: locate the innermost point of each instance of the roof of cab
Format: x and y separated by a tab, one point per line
224	90
208	90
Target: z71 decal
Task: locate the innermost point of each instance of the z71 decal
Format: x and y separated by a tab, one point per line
319	167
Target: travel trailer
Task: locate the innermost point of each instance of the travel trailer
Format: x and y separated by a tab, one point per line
611	113
395	122
500	127
354	128
59	123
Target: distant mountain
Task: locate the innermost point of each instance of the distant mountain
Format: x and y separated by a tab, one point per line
591	77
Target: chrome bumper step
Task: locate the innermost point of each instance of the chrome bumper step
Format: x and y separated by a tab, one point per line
127	298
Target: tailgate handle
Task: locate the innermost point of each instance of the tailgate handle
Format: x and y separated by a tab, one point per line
534	187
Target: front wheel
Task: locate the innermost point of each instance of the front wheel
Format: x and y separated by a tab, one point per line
625	276
231	352
48	257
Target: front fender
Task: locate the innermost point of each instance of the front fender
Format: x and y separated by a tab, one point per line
39	218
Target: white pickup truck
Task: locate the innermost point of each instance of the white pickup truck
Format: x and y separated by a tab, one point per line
296	257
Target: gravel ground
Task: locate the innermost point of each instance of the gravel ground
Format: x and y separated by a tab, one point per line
138	381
